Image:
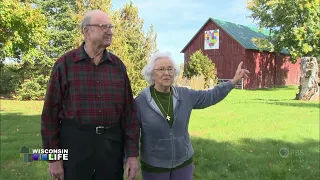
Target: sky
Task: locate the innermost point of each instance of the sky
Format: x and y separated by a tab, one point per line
177	21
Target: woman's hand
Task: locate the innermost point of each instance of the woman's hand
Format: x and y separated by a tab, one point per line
240	73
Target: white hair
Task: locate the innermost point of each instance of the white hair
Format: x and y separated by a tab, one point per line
148	69
88	17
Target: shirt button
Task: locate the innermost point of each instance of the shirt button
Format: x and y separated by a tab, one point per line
98	82
99	111
98	96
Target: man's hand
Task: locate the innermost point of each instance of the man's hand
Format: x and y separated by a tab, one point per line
240	73
56	170
132	168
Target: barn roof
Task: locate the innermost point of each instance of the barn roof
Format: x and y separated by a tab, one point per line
242	34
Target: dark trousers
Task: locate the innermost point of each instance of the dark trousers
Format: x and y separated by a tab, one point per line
92	156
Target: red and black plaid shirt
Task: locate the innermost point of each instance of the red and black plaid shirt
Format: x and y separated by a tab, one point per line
92	94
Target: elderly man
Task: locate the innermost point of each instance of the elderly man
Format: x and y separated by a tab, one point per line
89	109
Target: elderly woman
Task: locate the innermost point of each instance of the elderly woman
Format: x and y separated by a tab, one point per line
164	113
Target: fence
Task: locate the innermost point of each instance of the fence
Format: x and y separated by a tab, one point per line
237	86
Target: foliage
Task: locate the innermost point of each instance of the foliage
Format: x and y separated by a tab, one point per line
195	82
38	32
21	27
201	64
30	90
9	78
132	45
295	25
61	28
61	32
22	35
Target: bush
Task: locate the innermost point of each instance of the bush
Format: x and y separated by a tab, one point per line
30	90
195	82
201	65
9	80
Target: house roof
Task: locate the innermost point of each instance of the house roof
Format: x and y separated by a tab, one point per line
242	34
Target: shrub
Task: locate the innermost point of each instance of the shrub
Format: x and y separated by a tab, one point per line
196	82
9	80
201	65
30	90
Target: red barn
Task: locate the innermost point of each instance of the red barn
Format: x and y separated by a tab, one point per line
227	44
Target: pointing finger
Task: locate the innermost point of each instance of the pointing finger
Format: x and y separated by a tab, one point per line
239	66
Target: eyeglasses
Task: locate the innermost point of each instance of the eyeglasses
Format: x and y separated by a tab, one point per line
103	26
163	70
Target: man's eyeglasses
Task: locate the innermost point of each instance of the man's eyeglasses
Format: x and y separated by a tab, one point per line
103	26
163	70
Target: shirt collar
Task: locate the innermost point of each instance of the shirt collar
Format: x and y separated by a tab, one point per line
82	55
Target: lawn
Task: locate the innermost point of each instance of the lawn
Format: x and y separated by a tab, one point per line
239	138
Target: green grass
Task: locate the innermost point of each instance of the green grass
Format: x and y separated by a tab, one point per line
239	138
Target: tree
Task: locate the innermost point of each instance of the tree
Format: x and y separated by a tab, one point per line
58	38
294	25
308	89
131	44
42	30
22	34
61	30
21	28
200	64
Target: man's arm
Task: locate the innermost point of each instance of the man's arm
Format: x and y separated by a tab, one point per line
131	124
50	125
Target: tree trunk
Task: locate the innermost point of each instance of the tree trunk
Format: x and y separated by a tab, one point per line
309	88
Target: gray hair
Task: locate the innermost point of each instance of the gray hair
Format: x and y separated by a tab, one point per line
148	69
87	18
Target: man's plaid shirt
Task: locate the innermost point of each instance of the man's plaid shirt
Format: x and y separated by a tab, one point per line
91	94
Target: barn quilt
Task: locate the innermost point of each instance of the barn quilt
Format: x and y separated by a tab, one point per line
211	39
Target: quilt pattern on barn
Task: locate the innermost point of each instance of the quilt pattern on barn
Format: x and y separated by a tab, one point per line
211	39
